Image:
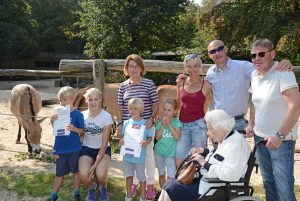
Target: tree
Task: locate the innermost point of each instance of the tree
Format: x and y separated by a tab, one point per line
239	22
114	28
16	28
54	20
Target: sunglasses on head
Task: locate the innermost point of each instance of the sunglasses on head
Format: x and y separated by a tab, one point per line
214	51
260	54
191	56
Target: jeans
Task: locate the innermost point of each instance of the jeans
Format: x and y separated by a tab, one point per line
277	168
193	134
240	124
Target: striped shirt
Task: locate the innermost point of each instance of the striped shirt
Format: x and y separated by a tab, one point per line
146	90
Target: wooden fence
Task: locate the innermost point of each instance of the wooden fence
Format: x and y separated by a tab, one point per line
96	69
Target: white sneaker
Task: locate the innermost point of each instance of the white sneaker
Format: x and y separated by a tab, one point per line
128	199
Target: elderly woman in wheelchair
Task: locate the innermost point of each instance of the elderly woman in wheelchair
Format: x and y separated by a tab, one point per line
228	162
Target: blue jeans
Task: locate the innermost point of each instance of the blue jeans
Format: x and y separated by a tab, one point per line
240	124
277	168
193	134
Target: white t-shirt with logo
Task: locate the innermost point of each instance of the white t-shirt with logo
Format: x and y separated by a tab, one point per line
93	128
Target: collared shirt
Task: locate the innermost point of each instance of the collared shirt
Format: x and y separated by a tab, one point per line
230	86
269	104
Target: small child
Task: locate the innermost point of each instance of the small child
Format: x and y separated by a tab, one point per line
67	148
135	126
167	133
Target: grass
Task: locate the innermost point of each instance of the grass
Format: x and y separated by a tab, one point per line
39	185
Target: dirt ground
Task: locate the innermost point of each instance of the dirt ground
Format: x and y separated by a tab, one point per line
8	134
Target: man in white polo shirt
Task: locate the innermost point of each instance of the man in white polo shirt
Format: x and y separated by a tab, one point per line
273	117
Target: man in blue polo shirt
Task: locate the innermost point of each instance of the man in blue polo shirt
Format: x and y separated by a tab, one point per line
230	80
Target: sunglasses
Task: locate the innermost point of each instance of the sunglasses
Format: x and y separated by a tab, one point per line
214	51
260	54
191	56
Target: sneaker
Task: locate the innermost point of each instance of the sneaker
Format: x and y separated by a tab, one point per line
91	193
142	199
128	199
103	195
150	194
53	199
77	198
133	190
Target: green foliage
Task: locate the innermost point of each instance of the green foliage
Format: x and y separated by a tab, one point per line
29	26
114	28
238	23
16	27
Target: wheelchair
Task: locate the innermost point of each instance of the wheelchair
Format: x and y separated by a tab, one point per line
233	191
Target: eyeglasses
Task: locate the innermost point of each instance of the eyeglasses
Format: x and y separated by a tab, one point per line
191	56
260	54
134	67
214	51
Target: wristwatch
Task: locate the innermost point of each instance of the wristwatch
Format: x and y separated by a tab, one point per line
280	135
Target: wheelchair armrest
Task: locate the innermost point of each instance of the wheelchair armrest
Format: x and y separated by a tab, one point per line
216	180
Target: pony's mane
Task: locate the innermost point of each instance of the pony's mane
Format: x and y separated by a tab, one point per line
31	105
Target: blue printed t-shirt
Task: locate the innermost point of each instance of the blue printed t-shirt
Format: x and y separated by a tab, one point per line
70	143
166	145
148	134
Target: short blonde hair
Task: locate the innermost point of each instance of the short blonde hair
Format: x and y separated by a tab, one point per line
66	91
136	103
194	57
91	91
138	60
219	119
172	102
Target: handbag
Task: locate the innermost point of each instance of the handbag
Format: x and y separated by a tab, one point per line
187	170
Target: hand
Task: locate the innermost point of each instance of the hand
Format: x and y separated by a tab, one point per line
149	123
285	65
273	142
91	172
55	156
121	141
249	132
179	80
71	127
199	158
53	118
164	121
144	143
196	150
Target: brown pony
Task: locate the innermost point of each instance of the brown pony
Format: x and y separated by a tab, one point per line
25	102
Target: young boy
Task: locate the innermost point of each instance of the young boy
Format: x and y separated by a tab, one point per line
67	147
133	163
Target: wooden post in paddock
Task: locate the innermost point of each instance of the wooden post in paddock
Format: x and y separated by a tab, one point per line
98	74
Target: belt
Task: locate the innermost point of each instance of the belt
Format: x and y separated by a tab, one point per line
238	117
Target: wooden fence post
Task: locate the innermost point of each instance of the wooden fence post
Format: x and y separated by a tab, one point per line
98	74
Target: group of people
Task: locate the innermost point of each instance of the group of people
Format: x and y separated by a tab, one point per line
274	110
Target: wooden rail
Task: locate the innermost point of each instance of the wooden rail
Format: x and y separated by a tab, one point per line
95	68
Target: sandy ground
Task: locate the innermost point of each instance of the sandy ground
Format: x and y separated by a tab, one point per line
8	134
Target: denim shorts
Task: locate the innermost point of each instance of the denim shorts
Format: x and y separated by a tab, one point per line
67	163
162	163
86	151
193	134
138	168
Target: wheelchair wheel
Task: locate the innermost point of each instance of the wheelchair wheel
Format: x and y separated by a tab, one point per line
245	198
